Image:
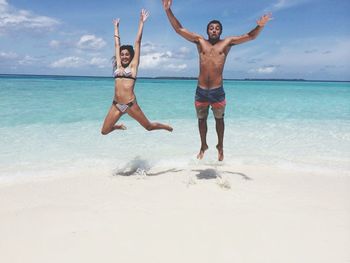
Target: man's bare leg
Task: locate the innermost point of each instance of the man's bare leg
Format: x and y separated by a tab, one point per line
220	127
203	128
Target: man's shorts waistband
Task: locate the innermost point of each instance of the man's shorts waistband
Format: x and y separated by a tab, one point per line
214	97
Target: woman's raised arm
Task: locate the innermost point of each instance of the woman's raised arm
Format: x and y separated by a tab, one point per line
117	42
143	17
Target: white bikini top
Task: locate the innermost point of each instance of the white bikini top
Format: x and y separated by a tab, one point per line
123	73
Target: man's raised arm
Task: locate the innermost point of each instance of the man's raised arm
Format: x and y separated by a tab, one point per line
234	40
193	37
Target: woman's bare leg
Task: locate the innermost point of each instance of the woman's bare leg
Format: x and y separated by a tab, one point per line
112	117
135	112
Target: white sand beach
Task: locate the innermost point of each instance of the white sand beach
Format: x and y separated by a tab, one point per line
252	214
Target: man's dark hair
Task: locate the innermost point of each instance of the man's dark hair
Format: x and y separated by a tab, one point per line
130	49
214	22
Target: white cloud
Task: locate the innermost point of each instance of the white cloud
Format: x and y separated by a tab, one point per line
167	54
27	60
77	62
283	4
162	60
14	19
152	60
55	44
157	56
148	47
178	67
68	62
99	62
152	48
265	69
85	43
91	42
14	59
8	55
3	5
184	50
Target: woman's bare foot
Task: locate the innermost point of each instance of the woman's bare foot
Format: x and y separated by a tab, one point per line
220	153
168	128
201	152
119	127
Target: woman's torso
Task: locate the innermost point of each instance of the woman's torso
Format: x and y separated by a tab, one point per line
124	85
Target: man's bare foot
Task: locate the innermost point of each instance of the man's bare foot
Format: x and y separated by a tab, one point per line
201	152
220	153
119	127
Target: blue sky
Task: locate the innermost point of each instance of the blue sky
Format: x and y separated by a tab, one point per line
307	39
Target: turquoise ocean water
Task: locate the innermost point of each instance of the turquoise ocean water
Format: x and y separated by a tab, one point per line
51	126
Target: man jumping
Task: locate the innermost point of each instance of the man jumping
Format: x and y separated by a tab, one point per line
212	56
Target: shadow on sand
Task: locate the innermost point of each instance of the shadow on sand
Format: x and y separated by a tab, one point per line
139	165
211	173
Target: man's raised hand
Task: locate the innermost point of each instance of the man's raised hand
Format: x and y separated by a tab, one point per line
264	19
167	4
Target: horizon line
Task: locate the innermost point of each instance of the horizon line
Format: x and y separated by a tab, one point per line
174	77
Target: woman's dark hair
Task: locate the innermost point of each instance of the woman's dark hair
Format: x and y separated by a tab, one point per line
127	47
214	22
130	49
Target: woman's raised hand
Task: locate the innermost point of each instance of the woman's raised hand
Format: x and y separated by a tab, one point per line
144	15
116	22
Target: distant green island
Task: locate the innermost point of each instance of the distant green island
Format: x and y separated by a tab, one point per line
166	77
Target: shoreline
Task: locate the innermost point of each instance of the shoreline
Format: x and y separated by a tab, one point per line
52	170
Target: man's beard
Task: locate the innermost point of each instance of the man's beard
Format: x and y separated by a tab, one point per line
213	41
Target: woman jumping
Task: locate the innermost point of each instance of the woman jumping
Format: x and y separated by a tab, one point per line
125	71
